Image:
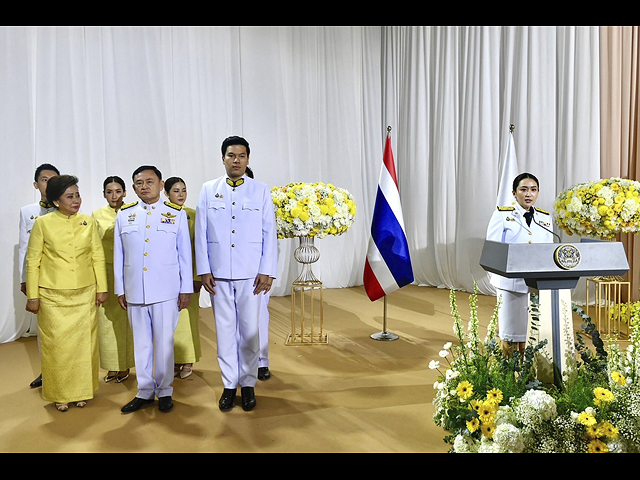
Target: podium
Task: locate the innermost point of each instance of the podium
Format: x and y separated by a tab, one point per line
553	268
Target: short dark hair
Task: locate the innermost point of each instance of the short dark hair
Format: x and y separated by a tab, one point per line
249	172
146	167
113	179
522	176
57	185
171	181
45	166
234	140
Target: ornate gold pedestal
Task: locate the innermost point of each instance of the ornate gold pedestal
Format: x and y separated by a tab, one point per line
307	307
605	312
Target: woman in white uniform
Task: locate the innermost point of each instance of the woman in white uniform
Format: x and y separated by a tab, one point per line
519	223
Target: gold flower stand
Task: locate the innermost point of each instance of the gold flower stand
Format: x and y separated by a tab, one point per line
307	307
609	293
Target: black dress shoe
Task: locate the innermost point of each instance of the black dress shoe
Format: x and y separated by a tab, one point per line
37	382
165	404
227	399
248	398
136	404
264	373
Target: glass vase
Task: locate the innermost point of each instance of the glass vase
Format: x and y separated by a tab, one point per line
306	254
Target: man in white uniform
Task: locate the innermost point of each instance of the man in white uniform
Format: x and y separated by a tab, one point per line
153	279
28	215
519	223
236	258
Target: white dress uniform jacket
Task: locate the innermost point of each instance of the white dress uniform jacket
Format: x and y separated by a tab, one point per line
236	234
28	215
508	225
152	253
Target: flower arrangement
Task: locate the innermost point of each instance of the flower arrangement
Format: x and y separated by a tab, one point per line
599	209
626	313
312	210
487	402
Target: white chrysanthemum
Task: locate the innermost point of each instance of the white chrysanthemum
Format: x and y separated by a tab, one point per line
509	437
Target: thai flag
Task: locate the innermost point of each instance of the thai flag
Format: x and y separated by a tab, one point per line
388	264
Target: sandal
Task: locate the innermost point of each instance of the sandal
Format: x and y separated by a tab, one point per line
81	404
110	376
120	379
185	371
62	407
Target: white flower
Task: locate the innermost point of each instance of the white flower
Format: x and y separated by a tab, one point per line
443	353
434	364
509	437
447	346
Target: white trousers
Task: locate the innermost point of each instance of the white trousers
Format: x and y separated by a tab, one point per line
237	313
513	316
153	326
264	330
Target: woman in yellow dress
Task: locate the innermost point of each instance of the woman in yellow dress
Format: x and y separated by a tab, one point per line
114	331
187	334
66	282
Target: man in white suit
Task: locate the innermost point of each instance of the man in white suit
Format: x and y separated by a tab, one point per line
153	279
28	215
236	258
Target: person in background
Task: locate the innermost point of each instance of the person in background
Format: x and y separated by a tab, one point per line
28	215
153	279
236	248
66	282
114	331
187	335
263	361
520	222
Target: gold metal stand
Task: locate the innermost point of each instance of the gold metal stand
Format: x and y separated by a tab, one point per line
607	302
307	307
307	315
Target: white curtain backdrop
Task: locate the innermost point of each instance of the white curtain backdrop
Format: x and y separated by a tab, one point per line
314	103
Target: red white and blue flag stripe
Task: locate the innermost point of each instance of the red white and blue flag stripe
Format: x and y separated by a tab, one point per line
388	263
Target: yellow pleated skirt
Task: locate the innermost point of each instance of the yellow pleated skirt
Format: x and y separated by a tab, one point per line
68	328
187	334
114	333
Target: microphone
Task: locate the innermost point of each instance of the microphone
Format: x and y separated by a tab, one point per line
545	228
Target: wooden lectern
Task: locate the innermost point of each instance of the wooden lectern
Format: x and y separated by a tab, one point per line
554	269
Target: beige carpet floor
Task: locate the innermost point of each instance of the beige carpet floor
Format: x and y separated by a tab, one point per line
354	394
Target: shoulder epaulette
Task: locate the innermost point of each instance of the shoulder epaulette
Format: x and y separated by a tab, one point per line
506	209
541	210
173	205
128	205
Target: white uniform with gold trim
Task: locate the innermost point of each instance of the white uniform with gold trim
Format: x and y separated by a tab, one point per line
508	225
152	266
28	215
236	240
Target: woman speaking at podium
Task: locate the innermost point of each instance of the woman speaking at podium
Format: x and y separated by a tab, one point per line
520	222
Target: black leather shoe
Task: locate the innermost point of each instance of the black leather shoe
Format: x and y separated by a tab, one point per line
248	398
165	404
37	382
264	373
135	405
227	399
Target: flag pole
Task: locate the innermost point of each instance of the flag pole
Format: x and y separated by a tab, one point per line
384	335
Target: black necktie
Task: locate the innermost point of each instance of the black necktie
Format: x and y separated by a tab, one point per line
528	216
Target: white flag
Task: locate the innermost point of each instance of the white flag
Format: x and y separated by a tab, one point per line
508	171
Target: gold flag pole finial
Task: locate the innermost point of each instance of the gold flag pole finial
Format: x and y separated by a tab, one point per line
512	127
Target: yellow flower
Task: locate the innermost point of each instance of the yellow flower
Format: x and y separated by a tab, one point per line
475	405
473	425
494	396
487	411
488	429
609	430
465	390
603	395
586	419
618	378
597	446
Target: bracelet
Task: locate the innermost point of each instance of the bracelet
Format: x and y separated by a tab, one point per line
33	300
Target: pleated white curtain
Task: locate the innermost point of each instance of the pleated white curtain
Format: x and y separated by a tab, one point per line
314	102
